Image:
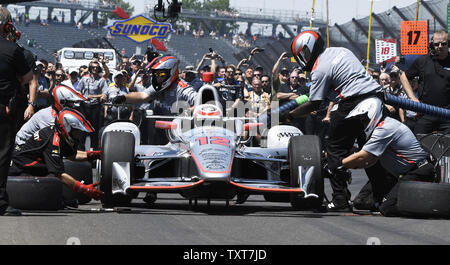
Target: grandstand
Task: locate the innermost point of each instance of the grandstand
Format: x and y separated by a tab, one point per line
189	50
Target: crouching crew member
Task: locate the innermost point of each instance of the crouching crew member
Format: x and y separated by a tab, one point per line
42	154
400	153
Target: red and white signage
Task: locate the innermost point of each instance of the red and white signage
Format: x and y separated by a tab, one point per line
386	50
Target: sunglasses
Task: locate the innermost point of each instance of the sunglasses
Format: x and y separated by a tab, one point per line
58	75
436	44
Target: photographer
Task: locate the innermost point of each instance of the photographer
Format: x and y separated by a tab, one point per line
14	72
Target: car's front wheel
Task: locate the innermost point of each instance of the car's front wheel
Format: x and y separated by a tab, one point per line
116	147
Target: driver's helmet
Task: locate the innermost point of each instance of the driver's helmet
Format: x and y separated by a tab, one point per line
69	120
65	95
208	112
166	67
306	48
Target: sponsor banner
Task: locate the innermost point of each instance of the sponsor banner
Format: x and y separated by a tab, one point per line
140	29
386	50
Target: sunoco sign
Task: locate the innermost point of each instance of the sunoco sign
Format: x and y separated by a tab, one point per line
140	29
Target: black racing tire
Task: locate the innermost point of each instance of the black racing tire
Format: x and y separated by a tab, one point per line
34	193
424	199
81	171
305	151
116	147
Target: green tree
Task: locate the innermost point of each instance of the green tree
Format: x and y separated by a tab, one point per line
127	7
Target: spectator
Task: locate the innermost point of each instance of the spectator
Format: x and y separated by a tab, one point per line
230	91
395	89
74	79
93	87
266	85
42	91
259	100
82	71
434	89
248	77
136	65
385	80
257	73
376	76
279	78
220	75
59	77
259	103
190	76
125	64
112	113
291	91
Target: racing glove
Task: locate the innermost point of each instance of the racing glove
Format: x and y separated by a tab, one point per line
119	99
89	190
93	155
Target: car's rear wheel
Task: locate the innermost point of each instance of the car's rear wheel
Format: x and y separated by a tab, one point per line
116	147
305	151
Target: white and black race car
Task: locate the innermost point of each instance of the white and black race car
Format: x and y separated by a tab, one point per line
206	158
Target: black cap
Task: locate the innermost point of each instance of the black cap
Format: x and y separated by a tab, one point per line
284	71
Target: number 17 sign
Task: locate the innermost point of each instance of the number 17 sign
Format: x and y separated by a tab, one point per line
386	50
414	37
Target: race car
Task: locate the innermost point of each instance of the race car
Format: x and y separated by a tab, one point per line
207	158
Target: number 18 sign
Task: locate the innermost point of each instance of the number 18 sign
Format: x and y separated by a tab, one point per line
386	50
414	37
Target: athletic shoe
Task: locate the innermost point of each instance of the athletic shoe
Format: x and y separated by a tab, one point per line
11	211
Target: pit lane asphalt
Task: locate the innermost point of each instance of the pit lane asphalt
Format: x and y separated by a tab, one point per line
171	222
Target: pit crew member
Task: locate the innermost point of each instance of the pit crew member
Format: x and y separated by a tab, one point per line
400	153
335	69
43	154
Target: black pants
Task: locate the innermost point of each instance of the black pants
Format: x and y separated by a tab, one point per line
425	173
428	124
94	114
7	136
315	126
342	135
